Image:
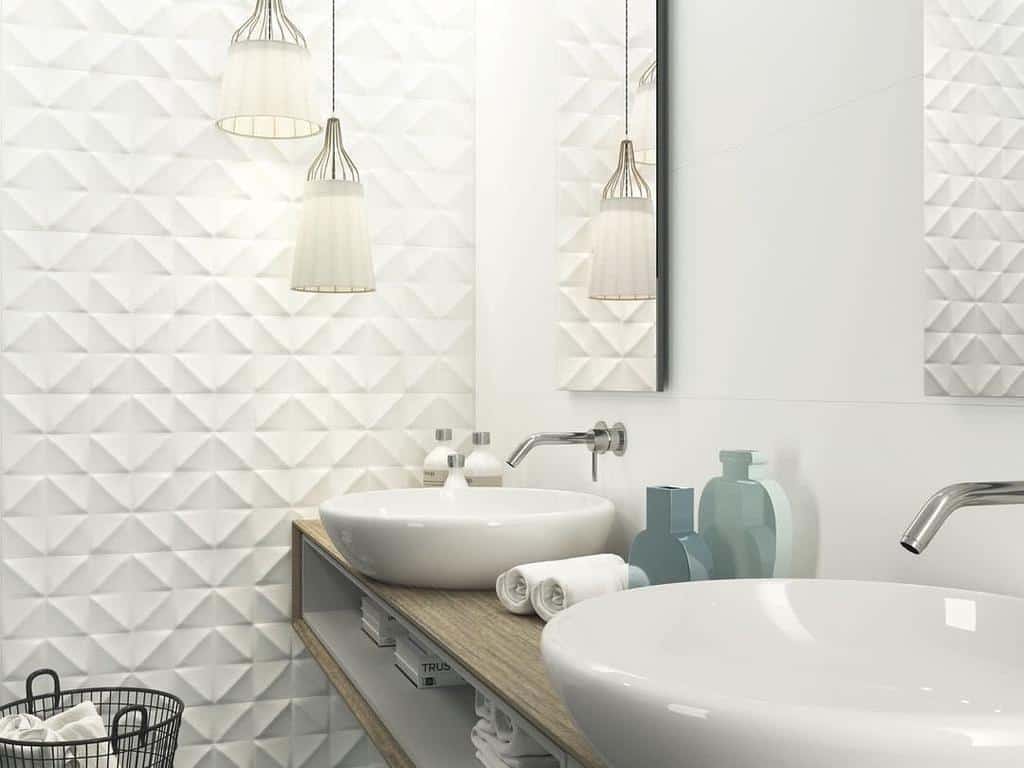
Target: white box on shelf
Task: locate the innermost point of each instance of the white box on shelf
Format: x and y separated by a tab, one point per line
422	668
381	627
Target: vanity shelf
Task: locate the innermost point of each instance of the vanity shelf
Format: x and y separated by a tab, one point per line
495	652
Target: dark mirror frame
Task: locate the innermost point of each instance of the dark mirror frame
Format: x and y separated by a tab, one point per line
662	222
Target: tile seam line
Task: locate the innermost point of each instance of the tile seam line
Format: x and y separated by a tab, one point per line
807	119
936	402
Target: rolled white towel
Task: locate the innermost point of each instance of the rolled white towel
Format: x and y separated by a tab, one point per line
481	733
491	759
483	707
513	741
577	580
516	586
488	759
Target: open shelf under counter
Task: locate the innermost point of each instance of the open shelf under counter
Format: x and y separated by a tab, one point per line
432	724
497	654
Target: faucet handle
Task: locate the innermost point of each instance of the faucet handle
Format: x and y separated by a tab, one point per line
605	439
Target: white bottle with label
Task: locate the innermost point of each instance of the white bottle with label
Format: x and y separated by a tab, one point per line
483	469
435	466
456	472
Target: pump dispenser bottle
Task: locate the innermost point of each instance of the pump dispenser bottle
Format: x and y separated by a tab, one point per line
456	472
435	466
482	467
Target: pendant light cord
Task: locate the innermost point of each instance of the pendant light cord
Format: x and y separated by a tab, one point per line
627	68
332	56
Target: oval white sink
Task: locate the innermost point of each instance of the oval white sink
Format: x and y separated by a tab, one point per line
462	538
801	674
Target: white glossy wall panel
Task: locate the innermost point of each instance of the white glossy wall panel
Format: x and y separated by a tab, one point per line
797	303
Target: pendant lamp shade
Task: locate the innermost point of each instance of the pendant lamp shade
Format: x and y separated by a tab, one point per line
624	266
645	117
267	89
332	252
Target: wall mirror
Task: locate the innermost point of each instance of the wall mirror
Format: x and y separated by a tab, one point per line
612	233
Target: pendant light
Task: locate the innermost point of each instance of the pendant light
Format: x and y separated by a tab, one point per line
645	117
267	90
624	262
332	252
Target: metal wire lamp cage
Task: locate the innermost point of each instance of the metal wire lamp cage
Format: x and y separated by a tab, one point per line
624	263
267	90
332	251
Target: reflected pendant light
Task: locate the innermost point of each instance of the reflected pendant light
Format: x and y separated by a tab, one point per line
645	117
625	257
332	252
267	90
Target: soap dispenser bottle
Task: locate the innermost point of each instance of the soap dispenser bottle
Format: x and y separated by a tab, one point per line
482	467
435	466
456	472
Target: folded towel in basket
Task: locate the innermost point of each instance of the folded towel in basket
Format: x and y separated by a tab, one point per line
79	723
79	712
12	725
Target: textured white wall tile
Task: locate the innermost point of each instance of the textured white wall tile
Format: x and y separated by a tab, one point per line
168	405
974	200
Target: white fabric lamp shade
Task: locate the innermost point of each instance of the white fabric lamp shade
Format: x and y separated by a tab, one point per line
625	256
645	123
267	91
332	252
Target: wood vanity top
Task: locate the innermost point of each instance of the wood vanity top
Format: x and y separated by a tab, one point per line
500	649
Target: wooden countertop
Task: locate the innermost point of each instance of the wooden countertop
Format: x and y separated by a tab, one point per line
500	649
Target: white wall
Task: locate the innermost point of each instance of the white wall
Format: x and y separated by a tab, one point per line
797	301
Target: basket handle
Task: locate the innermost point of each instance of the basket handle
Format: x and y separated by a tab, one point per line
30	695
143	732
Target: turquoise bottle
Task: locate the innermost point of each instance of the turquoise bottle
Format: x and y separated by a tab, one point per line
668	551
745	520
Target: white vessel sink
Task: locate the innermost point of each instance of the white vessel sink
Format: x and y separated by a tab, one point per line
462	538
801	674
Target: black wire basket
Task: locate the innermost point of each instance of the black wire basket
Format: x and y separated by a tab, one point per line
142	728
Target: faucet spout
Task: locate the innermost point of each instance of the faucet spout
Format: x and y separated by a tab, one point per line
547	438
939	507
601	439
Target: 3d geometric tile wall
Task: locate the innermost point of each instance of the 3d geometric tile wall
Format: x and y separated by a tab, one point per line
602	345
974	198
168	405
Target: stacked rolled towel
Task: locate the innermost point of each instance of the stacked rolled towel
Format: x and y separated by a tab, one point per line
500	743
549	587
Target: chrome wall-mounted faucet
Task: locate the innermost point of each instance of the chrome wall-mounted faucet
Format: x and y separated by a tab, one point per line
601	439
939	507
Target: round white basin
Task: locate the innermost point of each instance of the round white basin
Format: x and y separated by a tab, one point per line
462	538
801	674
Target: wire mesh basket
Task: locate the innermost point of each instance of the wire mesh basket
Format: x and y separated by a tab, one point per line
142	728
